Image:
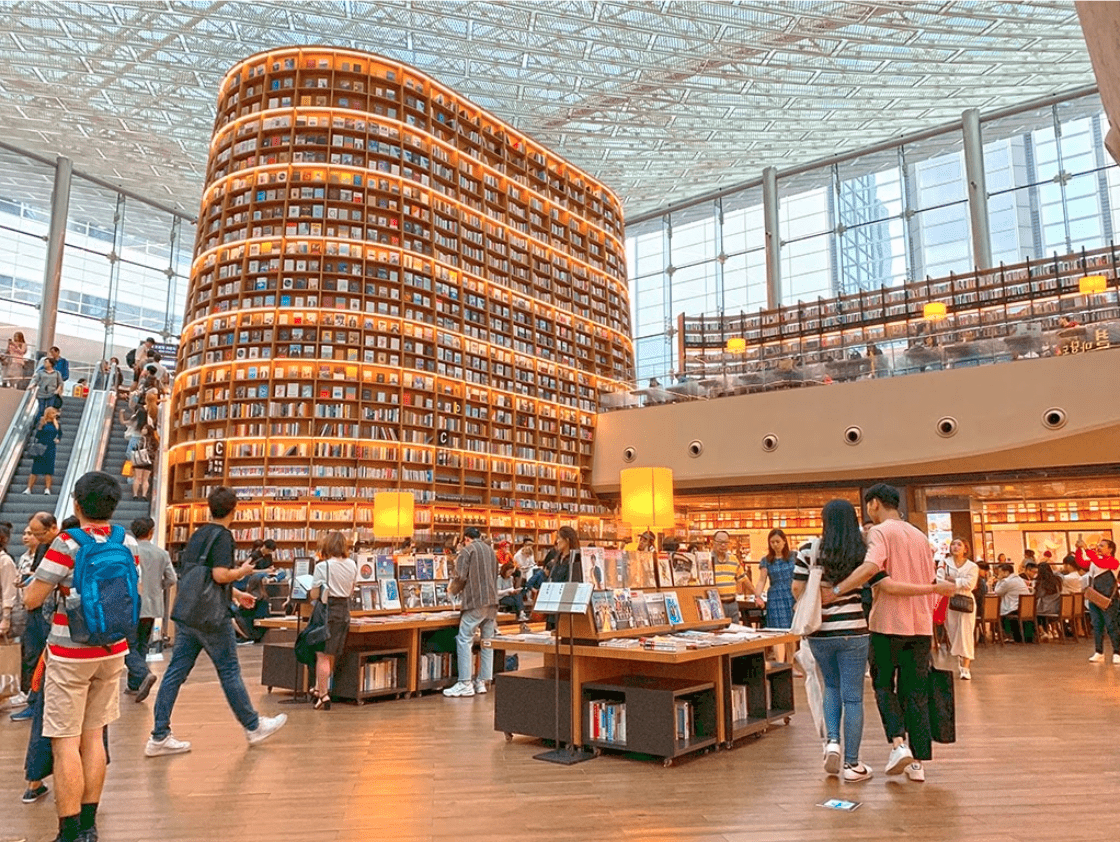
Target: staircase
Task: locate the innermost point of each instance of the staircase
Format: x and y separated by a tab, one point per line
17	508
112	462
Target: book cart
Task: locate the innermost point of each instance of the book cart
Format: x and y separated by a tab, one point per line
676	702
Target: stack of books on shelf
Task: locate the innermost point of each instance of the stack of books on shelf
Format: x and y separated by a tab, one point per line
435	666
684	724
608	720
379	675
527	637
739	710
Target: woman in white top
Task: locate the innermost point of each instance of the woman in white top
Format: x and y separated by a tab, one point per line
961	625
332	581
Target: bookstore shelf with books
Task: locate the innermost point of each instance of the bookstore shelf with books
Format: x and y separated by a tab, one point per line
367	674
391	290
989	312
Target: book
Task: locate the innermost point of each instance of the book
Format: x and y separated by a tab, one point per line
424	568
703	608
642	570
673	609
655	607
367	572
591	559
443	598
638	609
411	594
664	571
427	595
368	597
615	569
386	569
406	567
705	575
684	568
601	604
389	594
440	567
715	602
620	609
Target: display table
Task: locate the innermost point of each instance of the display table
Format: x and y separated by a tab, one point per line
649	683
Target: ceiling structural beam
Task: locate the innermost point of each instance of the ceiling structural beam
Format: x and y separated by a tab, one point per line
977	189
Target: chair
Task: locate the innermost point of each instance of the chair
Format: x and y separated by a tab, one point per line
989	619
1026	614
1048	619
1080	624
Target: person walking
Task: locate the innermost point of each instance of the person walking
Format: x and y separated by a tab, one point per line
46	385
775	580
45	440
80	687
841	643
1103	567
476	577
156	574
211	545
333	581
899	564
959	569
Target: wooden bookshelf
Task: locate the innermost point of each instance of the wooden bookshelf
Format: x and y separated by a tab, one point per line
981	305
392	290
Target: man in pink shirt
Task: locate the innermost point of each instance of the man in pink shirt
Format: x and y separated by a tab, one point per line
901	625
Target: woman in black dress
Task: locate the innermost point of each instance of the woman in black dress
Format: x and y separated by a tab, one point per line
48	434
332	581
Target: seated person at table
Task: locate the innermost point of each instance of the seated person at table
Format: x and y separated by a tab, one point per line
509	591
1009	588
1071	575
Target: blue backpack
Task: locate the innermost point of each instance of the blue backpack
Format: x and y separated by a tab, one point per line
106	579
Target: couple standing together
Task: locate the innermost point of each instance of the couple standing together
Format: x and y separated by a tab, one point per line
897	562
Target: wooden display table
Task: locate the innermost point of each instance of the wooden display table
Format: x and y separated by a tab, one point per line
707	675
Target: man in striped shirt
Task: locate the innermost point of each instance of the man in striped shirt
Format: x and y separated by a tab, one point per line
476	578
81	684
726	569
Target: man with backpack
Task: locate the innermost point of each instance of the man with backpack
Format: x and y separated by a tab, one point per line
204	623
94	570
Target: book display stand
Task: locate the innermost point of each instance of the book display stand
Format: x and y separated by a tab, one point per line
568	599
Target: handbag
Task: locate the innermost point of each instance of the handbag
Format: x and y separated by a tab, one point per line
942	706
807	612
140	457
126	469
1099	599
201	602
962	602
316	633
56	402
36	449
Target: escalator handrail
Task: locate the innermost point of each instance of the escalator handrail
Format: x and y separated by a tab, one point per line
88	447
159	481
15	440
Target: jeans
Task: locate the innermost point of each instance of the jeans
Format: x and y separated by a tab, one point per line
900	674
842	661
514	602
1105	621
222	649
32	643
468	622
536	579
42	407
136	660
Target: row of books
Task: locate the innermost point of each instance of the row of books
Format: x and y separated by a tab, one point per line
436	666
388	594
740	709
682	710
611	568
622	608
607	720
374	567
379	675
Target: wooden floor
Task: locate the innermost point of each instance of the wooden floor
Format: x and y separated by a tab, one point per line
1039	732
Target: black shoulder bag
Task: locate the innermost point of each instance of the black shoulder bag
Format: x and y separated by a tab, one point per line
202	603
315	635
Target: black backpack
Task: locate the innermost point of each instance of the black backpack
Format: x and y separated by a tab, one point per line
130	358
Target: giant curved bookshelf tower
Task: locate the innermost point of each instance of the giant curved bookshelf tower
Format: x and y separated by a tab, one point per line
391	290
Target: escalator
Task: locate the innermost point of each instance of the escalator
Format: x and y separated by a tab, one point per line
17	507
111	463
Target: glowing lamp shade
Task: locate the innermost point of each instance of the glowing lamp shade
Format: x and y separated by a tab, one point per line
393	514
736	345
935	311
1092	284
647	497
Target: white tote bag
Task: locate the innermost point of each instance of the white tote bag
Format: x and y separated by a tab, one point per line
807	612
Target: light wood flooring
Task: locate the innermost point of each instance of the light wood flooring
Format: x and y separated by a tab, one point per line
1037	759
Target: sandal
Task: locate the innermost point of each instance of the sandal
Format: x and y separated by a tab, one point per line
323	702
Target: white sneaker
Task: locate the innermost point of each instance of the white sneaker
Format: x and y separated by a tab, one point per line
480	688
1115	660
168	745
966	675
916	772
832	758
1097	658
26	491
460	688
18	700
267	726
900	756
857	773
